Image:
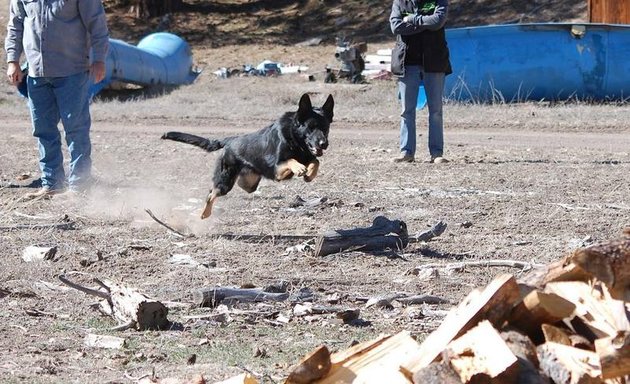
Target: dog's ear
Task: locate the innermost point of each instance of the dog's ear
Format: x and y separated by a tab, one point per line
328	108
305	108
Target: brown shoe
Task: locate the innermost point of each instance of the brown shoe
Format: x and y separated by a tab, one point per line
439	160
404	158
43	193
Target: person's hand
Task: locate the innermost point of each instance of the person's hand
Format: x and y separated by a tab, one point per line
408	19
97	70
14	72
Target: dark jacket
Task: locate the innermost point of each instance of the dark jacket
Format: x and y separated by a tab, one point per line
421	40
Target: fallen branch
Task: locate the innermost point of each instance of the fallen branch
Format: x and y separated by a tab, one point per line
457	267
385	301
126	305
435	231
421	299
64	225
89	291
262	237
173	230
213	296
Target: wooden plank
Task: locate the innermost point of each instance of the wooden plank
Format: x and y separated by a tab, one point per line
568	365
614	355
482	351
494	303
378	364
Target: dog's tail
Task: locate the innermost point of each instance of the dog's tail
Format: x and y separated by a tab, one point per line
201	142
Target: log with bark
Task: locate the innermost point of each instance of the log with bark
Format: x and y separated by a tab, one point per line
482	352
213	296
384	234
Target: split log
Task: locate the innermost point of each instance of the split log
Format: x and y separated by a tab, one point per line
568	365
213	296
129	307
610	263
602	316
312	367
561	270
614	355
525	351
538	308
482	352
373	362
338	359
494	303
384	234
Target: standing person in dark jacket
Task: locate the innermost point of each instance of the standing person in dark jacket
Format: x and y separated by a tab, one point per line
420	54
57	38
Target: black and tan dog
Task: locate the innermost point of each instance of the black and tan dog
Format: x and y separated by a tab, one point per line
289	146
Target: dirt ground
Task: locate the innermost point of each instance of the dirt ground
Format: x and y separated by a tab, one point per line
527	182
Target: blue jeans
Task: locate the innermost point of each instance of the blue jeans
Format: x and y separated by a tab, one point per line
408	87
51	99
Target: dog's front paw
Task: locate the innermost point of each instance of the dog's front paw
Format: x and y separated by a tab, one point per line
311	171
298	169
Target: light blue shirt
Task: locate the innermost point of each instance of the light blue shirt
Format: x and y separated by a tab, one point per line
57	36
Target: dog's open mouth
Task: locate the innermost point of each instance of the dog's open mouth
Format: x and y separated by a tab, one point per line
317	151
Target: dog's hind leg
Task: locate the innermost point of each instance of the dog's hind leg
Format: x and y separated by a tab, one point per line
311	170
248	181
207	209
287	169
225	175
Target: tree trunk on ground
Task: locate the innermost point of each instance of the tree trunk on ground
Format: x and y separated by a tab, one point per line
382	235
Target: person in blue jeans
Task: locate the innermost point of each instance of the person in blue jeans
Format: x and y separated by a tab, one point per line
65	44
420	55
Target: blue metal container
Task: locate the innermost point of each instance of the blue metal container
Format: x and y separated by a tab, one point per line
547	61
158	59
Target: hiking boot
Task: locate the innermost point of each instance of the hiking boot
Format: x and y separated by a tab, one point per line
404	158
438	160
43	193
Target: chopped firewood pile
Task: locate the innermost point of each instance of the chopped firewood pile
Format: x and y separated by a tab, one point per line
564	323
